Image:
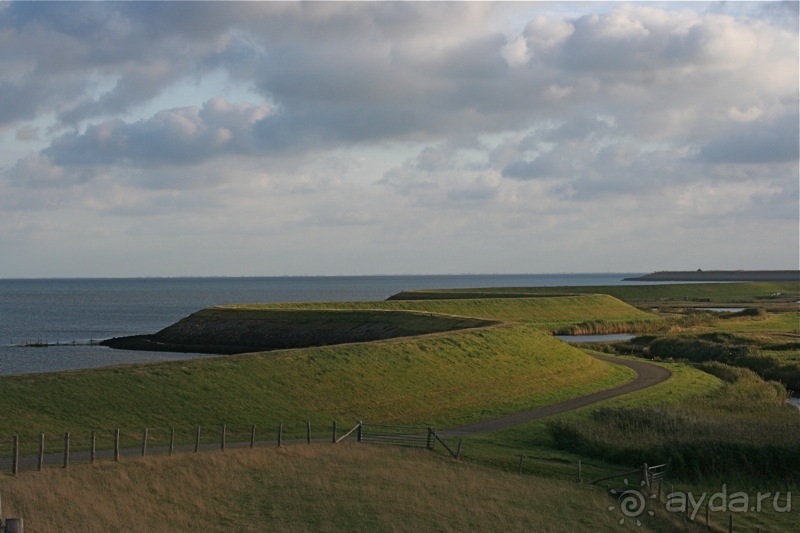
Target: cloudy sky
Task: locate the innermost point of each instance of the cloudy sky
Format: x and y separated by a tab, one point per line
269	138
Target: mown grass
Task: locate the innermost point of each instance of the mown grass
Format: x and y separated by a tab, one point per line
441	380
308	488
549	313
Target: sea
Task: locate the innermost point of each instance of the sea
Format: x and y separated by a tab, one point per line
74	313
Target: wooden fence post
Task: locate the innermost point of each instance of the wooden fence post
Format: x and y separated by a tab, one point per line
308	432
116	445
15	460
334	431
360	426
645	476
66	450
428	443
580	477
40	461
280	434
93	448
224	430
14	525
519	468
144	442
458	450
197	440
252	436
171	440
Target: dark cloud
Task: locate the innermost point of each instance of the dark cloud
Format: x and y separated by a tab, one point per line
180	136
763	142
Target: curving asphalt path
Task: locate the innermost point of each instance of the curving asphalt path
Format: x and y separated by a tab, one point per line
647	375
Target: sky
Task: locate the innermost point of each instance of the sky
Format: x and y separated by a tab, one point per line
357	138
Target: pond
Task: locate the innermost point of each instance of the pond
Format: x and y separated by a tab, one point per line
607	337
721	309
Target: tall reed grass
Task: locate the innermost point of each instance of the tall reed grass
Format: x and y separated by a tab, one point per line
744	430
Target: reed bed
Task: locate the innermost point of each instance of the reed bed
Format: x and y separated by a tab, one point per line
744	430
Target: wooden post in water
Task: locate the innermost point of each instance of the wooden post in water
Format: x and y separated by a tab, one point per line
252	436
116	445
40	461
66	450
15	460
171	440
224	430
144	442
93	448
197	441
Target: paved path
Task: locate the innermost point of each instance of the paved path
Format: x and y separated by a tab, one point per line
647	375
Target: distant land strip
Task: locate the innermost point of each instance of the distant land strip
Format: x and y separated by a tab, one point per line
721	275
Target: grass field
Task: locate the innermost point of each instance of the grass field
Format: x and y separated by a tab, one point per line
309	488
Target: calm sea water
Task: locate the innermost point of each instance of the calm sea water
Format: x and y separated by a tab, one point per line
80	310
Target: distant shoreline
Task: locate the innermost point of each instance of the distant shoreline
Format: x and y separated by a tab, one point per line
721	275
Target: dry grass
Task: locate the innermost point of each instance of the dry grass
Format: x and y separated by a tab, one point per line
303	488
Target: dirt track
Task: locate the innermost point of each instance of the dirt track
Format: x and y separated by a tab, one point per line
647	375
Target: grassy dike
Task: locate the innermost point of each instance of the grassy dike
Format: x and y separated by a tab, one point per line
763	292
443	379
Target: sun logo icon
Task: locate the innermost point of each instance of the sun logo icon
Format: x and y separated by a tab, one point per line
632	502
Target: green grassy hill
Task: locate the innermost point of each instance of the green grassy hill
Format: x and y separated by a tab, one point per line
543	311
442	380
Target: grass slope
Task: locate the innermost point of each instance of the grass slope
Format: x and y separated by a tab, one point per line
241	330
544	311
442	380
308	488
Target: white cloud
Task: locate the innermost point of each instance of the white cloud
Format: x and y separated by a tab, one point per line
417	132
